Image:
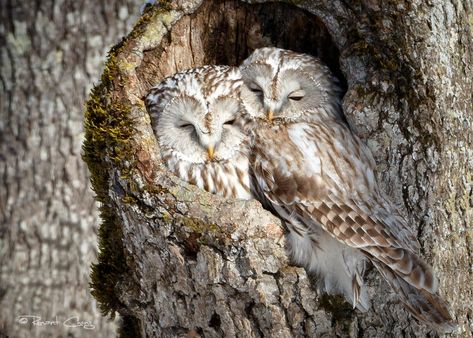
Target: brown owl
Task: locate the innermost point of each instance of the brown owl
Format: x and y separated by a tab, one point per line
196	116
317	175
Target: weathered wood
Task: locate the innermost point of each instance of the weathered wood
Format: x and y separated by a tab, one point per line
178	261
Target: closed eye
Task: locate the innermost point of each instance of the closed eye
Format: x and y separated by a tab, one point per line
229	122
296	95
185	125
255	88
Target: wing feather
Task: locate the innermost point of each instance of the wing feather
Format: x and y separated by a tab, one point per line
298	175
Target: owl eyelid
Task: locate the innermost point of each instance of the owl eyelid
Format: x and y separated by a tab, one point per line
185	124
297	95
255	88
230	122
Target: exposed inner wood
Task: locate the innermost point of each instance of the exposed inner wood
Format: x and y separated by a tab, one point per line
226	32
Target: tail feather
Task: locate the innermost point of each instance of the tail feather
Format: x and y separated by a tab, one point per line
408	266
424	305
360	296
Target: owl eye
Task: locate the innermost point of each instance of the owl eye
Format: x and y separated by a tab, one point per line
296	95
255	88
185	125
229	122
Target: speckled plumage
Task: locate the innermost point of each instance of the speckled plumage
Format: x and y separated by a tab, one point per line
316	174
193	110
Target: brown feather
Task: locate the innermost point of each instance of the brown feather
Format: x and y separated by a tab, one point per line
326	199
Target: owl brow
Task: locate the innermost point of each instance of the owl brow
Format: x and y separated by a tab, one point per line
255	64
181	96
208	120
274	83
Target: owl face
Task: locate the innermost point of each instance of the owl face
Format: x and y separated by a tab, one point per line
289	85
195	114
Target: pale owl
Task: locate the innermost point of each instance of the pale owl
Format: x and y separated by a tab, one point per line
196	117
318	176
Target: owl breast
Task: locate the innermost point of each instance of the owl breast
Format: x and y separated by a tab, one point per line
229	179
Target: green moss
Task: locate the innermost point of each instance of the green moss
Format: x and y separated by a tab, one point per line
198	226
109	129
166	217
108	132
163	11
111	263
129	199
197	234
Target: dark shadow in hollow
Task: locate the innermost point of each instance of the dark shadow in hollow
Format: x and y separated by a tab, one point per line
226	32
280	25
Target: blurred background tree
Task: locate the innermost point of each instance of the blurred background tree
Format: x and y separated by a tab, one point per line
51	53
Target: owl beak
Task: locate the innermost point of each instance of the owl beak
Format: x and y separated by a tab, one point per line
211	151
270	115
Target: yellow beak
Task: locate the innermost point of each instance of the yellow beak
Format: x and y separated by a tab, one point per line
211	151
270	115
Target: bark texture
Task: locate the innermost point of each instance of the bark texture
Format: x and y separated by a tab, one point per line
51	53
177	261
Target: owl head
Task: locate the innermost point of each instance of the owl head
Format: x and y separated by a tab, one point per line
195	114
290	85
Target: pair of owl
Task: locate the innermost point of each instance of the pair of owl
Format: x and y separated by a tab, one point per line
273	129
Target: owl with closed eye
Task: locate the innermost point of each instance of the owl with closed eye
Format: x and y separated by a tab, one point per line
196	116
288	84
319	178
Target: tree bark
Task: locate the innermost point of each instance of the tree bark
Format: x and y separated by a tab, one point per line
178	261
51	53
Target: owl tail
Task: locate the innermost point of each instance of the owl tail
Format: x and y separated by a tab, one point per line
424	304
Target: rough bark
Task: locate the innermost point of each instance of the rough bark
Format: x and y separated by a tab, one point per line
178	261
51	53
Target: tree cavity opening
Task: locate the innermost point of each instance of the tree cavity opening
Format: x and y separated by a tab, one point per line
226	32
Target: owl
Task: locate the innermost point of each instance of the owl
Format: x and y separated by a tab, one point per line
196	116
319	178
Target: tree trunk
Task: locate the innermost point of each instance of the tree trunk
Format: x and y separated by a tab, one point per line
51	53
178	261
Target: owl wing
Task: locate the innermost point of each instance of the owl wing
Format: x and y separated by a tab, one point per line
294	172
304	168
313	201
